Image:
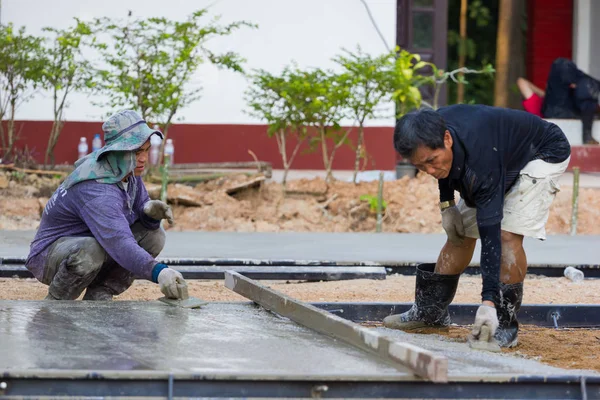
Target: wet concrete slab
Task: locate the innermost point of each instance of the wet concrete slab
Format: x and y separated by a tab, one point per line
220	338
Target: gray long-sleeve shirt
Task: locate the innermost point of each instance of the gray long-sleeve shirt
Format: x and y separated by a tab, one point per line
101	211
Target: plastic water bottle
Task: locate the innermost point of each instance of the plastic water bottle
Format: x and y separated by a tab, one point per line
155	141
96	142
82	149
169	152
574	274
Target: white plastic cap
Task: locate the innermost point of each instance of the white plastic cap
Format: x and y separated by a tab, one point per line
155	140
169	141
83	139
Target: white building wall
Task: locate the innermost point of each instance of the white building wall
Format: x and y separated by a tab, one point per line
595	40
310	32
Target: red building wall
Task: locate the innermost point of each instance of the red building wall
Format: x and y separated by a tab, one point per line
549	36
212	143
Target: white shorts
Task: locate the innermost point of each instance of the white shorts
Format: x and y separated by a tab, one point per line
527	203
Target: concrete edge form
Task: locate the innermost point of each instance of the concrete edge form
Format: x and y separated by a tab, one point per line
15	266
423	363
545	315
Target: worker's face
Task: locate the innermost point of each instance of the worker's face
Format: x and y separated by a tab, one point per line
435	162
141	157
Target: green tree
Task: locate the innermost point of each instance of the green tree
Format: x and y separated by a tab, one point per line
439	78
365	77
65	71
327	96
405	77
479	49
279	100
21	63
150	62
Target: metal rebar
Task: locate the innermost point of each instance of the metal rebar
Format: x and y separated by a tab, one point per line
379	203
171	383
575	201
555	319
583	388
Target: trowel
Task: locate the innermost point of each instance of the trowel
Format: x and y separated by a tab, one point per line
184	299
485	342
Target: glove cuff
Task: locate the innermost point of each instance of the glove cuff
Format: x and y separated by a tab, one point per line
447	204
156	271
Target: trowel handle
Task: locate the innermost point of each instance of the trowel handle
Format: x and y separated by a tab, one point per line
182	289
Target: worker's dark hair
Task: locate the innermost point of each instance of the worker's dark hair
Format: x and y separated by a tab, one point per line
423	127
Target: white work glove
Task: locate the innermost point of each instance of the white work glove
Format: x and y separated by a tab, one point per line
168	279
486	315
453	225
158	210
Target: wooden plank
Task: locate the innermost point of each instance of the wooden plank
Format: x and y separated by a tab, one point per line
421	362
11	167
256	182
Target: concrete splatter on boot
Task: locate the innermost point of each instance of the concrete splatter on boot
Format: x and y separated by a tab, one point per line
433	295
511	297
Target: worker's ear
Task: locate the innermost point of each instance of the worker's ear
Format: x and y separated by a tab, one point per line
448	139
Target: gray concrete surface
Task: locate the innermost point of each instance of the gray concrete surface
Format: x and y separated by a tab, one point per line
349	247
220	338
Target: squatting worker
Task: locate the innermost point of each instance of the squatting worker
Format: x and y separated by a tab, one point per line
99	230
505	164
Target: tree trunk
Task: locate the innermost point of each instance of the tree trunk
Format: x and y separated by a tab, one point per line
280	137
11	128
517	53
462	50
326	161
503	43
52	141
359	146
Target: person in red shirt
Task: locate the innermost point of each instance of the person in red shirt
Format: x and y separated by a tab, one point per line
533	96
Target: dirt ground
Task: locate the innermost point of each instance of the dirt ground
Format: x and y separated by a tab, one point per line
551	346
309	205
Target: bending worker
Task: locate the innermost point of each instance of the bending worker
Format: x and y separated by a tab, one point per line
505	164
99	230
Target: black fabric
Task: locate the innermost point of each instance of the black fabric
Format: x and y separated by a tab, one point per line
563	101
559	101
490	147
491	250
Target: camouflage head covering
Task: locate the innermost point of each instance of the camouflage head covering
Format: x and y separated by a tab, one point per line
124	133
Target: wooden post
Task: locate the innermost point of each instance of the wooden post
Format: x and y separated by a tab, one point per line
165	179
503	43
379	203
575	201
462	50
403	355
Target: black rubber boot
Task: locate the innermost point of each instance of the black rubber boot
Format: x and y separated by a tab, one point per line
433	295
511	297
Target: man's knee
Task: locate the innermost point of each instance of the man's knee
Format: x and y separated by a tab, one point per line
87	258
511	239
153	241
